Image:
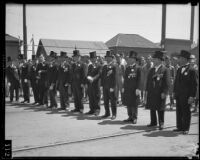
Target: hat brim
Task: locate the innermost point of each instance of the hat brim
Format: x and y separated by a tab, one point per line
109	56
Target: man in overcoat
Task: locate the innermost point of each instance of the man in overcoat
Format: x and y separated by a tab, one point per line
93	83
157	88
185	89
78	81
109	83
64	80
132	80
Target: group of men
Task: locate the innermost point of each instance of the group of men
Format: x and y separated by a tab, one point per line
152	82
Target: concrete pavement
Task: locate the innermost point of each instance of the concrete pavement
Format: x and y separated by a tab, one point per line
33	126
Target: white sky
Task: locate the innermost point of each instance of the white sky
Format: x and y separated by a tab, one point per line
99	22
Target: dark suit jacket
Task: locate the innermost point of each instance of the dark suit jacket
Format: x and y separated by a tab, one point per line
157	83
185	85
78	73
13	75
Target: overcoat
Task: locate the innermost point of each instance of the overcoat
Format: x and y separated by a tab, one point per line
157	83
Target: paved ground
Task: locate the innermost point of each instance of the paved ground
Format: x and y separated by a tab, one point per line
33	126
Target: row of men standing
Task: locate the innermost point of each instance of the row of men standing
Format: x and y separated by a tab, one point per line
48	77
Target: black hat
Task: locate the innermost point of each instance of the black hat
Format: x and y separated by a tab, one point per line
109	54
93	54
76	53
21	56
9	59
160	55
63	54
133	54
33	57
52	54
185	54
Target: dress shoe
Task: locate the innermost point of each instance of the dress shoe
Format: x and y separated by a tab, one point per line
105	116
113	117
185	132
177	130
161	127
134	121
75	110
151	125
128	120
61	109
89	113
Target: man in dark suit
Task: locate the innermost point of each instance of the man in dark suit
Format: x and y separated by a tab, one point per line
93	83
78	81
12	74
64	80
109	83
52	73
42	80
158	83
33	79
185	89
25	79
132	80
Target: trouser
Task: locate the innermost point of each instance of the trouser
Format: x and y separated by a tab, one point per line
52	96
43	93
13	88
183	114
94	97
26	91
78	95
110	96
34	86
64	96
154	117
119	90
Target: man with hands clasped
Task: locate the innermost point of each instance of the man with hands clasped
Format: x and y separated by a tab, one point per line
93	83
132	80
109	83
158	83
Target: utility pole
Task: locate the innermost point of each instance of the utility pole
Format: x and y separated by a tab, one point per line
192	24
24	31
163	31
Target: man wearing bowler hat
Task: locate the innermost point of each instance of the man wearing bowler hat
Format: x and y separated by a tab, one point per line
93	82
64	80
132	80
25	79
109	83
33	79
185	88
12	74
158	83
52	73
78	80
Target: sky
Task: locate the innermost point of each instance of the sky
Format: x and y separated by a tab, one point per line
99	22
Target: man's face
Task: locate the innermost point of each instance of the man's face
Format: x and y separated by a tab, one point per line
41	59
76	58
131	61
156	61
142	61
119	59
109	59
93	60
167	62
182	60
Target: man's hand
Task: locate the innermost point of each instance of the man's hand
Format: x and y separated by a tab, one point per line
122	90
111	89
190	100
137	92
25	80
82	85
67	84
9	84
163	95
90	79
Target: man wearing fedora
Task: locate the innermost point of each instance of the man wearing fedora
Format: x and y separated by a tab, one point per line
158	83
52	73
25	79
109	83
93	82
185	89
64	80
33	79
12	74
132	80
78	80
41	71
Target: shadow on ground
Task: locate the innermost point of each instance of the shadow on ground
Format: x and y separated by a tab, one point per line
138	127
110	122
162	134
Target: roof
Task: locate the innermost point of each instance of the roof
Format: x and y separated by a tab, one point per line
130	40
178	40
69	45
11	38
